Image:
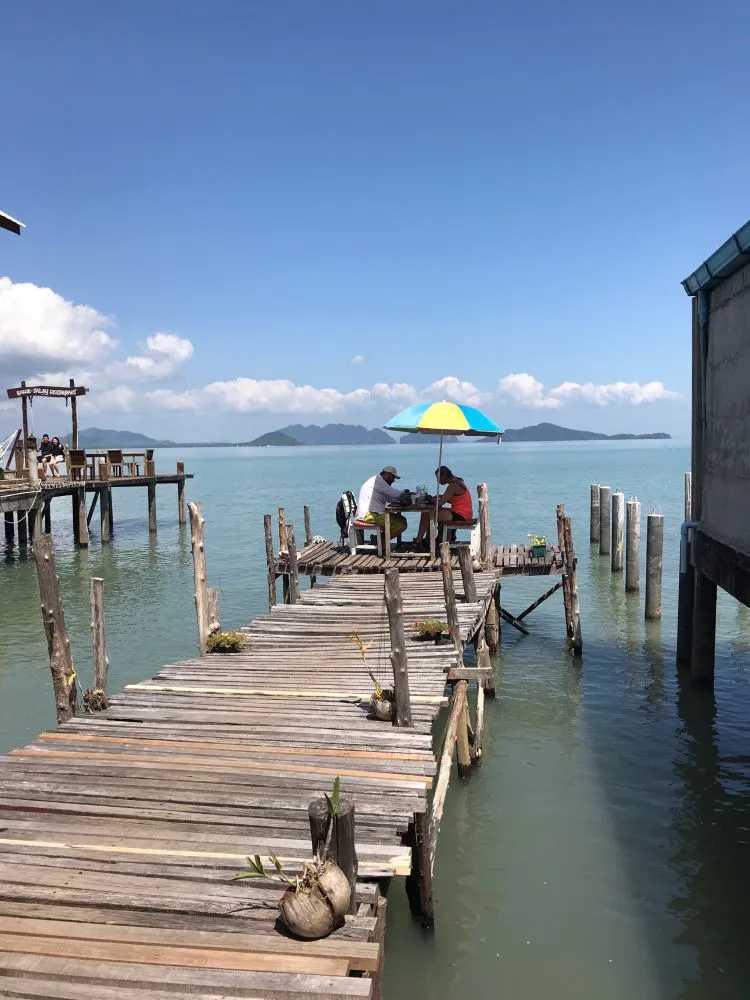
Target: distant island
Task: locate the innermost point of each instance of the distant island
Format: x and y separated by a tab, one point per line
541	432
295	434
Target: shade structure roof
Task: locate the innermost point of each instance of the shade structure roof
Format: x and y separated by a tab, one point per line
13	225
444	418
730	257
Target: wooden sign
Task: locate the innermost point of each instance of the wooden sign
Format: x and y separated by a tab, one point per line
58	391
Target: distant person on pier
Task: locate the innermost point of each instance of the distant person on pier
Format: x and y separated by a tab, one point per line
457	495
375	493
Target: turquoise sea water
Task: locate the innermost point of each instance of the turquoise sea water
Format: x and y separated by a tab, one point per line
601	851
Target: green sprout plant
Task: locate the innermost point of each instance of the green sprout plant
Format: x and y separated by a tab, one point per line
430	628
226	642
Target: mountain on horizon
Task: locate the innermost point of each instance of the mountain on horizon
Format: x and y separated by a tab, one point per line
540	432
101	437
335	434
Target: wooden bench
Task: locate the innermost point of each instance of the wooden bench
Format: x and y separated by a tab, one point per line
75	461
454	526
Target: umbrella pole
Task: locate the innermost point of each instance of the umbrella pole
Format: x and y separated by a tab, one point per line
437	491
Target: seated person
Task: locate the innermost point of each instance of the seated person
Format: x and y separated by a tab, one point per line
56	456
374	494
45	450
456	494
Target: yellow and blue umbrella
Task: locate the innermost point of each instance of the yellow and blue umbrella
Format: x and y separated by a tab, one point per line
444	418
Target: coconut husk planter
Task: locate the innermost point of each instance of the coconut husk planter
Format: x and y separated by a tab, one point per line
382	701
431	630
319	903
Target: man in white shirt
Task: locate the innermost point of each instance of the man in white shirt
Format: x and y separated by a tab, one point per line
374	494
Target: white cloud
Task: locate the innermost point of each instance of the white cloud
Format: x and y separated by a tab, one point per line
526	390
164	354
169	399
38	326
359	359
393	392
450	387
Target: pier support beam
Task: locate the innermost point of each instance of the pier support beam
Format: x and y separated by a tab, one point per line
53	616
270	560
105	514
467	573
618	532
399	662
686	598
449	595
605	520
47	517
688	496
485	534
492	625
81	515
197	525
10	528
98	635
633	546
595	517
22	526
181	494
293	569
654	562
151	508
704	630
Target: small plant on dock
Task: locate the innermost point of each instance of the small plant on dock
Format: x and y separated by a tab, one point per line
430	628
94	700
316	901
362	647
538	544
226	642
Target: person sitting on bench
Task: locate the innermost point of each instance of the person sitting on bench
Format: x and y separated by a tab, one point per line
457	495
374	494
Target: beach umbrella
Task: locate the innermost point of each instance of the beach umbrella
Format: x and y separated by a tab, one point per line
444	418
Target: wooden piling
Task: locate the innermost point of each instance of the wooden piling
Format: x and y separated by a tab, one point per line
308	526
492	625
654	560
605	520
618	532
105	514
32	466
151	488
22	527
270	560
10	527
341	842
73	417
570	580
594	521
463	750
466	565
633	546
449	593
47	516
399	662
98	634
79	496
181	493
282	531
685	598
484	660
53	617
485	532
688	485
703	651
214	623
293	570
197	525
440	789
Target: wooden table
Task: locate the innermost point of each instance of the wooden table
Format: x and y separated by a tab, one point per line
421	507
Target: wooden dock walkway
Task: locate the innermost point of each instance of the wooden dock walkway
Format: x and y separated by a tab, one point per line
120	831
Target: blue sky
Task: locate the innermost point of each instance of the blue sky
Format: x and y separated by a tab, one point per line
245	197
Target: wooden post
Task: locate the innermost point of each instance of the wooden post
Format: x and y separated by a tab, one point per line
618	532
22	526
569	580
463	751
10	528
98	634
399	660
83	523
47	516
467	573
73	417
633	546
605	520
654	552
270	560
24	425
197	525
181	493
74	514
151	488
449	593
440	787
704	629
308	526
53	616
485	532
595	519
293	569
105	513
686	598
492	624
688	496
484	660
214	623
282	531
32	467
341	846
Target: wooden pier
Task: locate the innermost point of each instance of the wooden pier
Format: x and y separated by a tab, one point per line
120	831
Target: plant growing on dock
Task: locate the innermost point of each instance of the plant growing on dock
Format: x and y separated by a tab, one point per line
430	628
362	646
537	540
316	901
226	642
94	700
